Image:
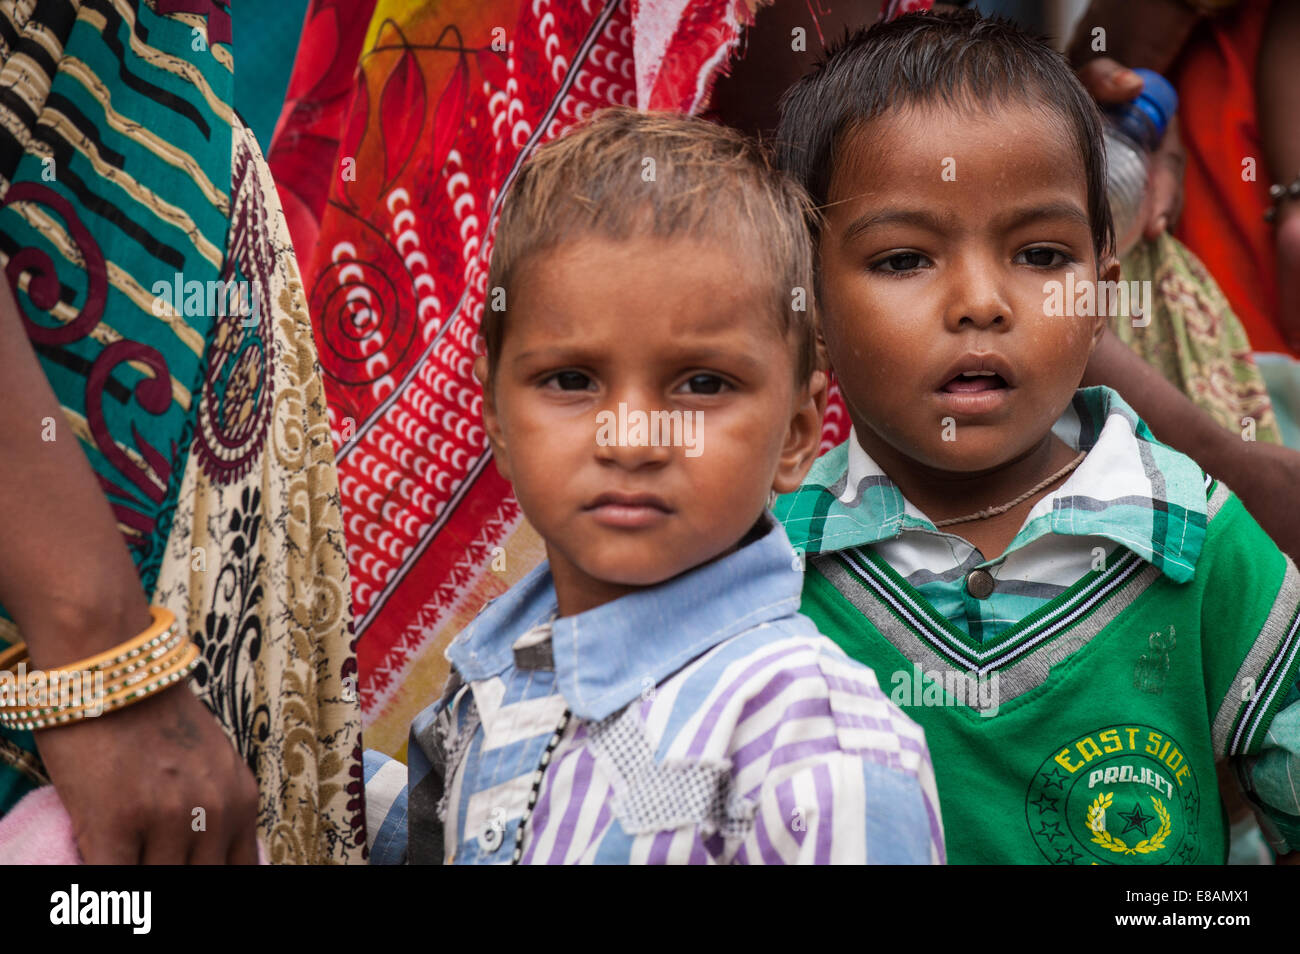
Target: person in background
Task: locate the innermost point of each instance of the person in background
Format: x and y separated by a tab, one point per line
1239	206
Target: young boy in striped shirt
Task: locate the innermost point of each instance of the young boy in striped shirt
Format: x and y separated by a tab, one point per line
990	523
650	693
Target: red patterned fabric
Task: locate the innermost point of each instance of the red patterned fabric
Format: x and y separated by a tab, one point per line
306	140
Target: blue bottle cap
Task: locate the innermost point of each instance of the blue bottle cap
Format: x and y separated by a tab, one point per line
1158	99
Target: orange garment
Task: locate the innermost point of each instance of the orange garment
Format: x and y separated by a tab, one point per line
1223	213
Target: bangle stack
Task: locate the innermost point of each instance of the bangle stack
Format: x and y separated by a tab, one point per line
138	668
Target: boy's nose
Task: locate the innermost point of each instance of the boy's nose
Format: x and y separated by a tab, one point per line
976	298
631	456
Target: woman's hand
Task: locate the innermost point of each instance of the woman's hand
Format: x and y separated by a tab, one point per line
154	783
1110	83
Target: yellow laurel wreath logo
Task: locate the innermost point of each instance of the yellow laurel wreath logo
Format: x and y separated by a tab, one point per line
1100	836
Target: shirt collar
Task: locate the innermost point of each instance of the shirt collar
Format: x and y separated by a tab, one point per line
608	656
1130	488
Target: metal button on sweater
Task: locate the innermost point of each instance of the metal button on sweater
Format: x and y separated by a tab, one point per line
979	584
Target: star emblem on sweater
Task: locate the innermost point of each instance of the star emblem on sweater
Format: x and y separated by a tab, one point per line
1067	855
1055	777
1137	821
1044	803
1052	830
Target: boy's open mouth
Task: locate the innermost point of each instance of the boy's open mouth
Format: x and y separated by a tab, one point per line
969	382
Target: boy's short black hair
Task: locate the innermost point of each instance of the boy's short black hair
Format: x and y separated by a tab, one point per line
959	59
625	174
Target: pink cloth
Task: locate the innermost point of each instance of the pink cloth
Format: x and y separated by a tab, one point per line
38	831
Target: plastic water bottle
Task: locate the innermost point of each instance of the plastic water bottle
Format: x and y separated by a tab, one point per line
1132	132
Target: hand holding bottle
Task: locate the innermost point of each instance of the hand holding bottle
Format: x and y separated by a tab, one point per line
1112	84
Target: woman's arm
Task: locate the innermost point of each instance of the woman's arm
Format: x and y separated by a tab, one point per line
66	577
1264	476
129	779
1138	33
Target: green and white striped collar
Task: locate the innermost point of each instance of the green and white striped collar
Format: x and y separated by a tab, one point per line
1130	488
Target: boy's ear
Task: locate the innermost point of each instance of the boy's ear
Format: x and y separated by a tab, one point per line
491	421
803	437
823	354
1109	272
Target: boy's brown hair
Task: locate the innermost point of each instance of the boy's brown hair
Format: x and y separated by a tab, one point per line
628	174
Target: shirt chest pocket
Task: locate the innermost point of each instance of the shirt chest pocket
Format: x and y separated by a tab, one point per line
651	796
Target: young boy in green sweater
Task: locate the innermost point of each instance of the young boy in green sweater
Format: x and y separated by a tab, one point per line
1081	619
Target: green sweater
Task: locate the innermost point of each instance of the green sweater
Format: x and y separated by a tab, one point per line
1088	732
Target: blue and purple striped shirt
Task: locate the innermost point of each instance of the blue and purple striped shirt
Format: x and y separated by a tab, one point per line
711	724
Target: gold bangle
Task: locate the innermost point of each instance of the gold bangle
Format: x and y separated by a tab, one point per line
183	662
163	663
143	671
116	675
138	668
163	620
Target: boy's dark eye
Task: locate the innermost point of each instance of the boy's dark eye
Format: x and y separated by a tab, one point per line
902	262
705	384
569	380
1043	257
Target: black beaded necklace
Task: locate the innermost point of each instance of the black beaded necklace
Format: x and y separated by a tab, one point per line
537	785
